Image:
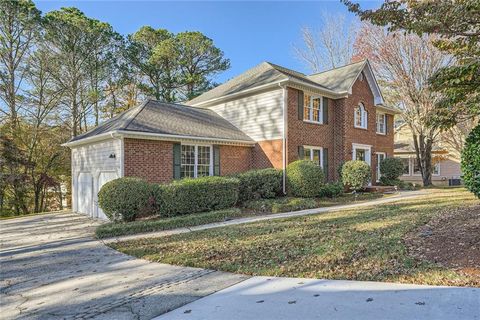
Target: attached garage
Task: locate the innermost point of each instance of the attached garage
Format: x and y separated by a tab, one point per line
85	193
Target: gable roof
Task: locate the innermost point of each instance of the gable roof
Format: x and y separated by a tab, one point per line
263	74
337	82
155	117
340	79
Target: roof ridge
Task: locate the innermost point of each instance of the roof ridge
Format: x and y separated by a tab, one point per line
288	69
140	109
347	65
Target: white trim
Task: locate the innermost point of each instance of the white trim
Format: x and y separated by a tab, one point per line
195	163
384	123
310	109
378	163
368	156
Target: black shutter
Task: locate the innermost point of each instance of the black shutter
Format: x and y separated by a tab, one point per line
386	123
300	105
325	110
325	163
216	160
301	153
177	160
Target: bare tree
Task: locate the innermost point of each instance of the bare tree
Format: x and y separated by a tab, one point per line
454	138
329	47
404	63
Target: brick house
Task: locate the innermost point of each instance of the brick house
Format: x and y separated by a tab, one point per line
266	117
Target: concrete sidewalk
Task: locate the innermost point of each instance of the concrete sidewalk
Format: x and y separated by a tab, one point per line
295	298
400	196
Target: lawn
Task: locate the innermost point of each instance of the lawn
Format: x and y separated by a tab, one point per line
359	244
252	208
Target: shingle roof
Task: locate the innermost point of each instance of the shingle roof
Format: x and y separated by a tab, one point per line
339	79
171	119
262	74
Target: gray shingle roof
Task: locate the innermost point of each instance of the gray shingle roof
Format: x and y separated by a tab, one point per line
339	79
262	74
171	119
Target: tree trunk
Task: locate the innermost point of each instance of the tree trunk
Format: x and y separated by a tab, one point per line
423	150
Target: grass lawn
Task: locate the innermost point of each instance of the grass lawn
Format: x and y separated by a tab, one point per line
359	244
266	206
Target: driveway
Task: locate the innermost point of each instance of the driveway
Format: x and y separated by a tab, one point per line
52	268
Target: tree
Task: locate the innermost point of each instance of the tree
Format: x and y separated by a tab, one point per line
457	26
471	161
454	137
329	47
18	26
199	59
404	64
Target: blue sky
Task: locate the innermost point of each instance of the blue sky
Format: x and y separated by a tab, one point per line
248	32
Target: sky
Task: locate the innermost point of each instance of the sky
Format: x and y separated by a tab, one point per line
248	32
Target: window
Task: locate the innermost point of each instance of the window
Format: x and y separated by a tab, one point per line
314	154
313	109
381	123
406	166
360	117
435	168
360	154
196	161
380	157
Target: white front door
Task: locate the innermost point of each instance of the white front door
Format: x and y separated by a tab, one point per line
103	178
85	193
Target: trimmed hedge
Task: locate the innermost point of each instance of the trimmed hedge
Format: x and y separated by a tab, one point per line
196	195
304	179
260	184
356	174
125	198
391	169
471	161
332	190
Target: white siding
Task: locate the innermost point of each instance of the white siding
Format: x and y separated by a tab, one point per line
260	116
95	159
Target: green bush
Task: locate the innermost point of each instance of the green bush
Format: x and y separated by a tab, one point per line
304	179
260	184
356	174
197	195
332	190
126	198
391	168
471	161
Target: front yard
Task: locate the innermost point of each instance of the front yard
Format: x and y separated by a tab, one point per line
363	244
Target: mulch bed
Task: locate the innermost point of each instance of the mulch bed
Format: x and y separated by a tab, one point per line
451	239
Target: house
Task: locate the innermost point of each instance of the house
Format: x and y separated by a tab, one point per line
266	117
445	162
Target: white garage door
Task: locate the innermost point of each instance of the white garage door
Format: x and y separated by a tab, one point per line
85	193
103	178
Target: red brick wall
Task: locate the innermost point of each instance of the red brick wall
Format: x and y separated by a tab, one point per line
301	133
151	160
267	154
235	159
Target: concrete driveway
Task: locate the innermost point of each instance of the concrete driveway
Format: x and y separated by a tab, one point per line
52	268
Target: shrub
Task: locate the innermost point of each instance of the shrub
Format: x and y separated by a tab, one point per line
304	179
471	161
294	204
391	168
197	195
260	184
125	198
356	174
332	190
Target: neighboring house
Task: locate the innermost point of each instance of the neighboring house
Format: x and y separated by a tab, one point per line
446	165
266	117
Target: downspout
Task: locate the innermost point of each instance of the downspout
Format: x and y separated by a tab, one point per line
284	139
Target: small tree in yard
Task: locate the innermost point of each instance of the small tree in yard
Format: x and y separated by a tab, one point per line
390	169
471	161
356	174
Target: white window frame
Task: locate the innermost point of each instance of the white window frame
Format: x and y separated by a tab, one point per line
366	147
309	117
384	127
363	117
412	168
438	166
378	163
409	166
311	148
195	166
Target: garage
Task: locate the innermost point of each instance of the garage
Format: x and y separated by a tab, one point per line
103	178
85	193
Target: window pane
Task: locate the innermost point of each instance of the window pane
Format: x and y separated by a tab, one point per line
406	167
436	168
316	109
316	156
188	161
360	154
358	117
308	154
306	108
416	168
203	168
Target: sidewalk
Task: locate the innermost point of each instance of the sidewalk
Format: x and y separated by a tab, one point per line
296	298
400	196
